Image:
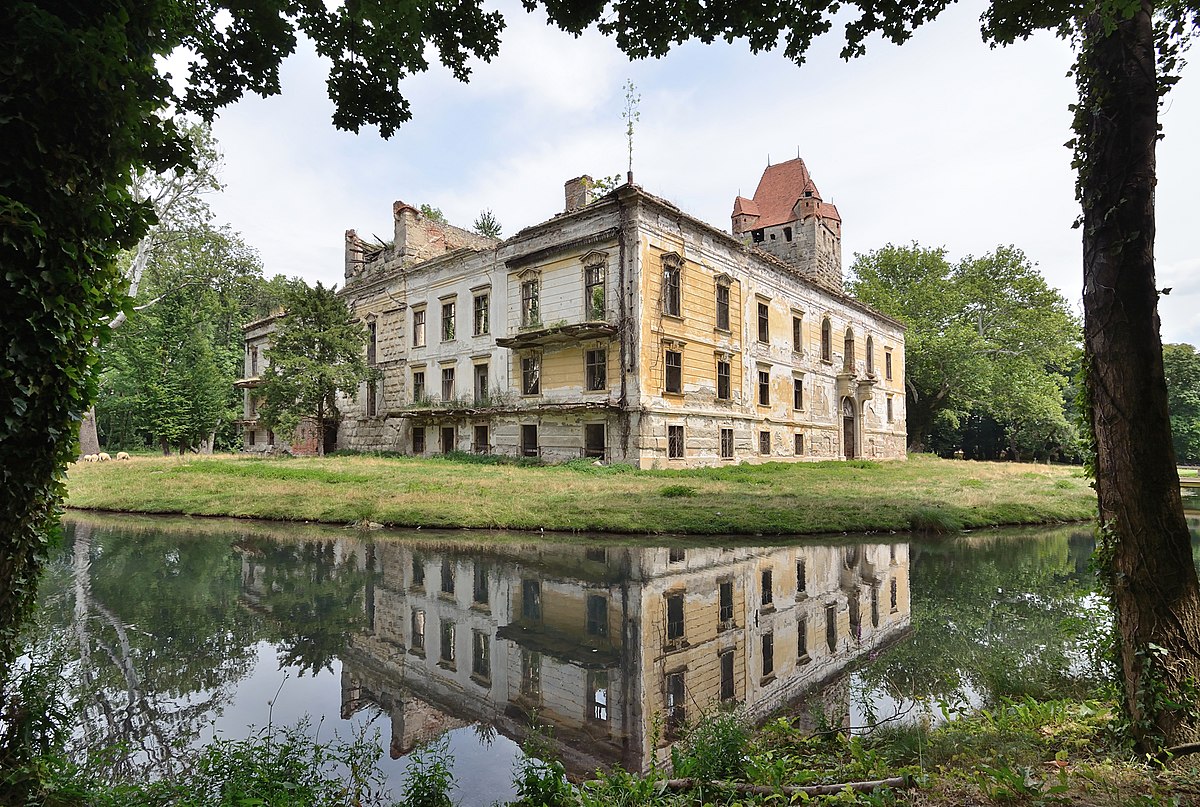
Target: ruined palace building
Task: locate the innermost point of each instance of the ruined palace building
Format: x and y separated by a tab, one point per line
621	329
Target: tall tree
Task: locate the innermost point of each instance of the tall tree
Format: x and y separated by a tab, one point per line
317	351
1181	364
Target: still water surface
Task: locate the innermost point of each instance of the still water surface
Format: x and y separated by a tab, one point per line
184	629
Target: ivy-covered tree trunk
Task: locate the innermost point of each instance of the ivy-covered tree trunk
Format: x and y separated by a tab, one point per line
1147	549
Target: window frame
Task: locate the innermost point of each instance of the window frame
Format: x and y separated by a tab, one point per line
482	313
722	297
449	320
727	447
419	326
724	381
595	370
448	382
764	387
672	285
531	315
594	286
673	372
764	442
531	373
798	393
764	323
676	442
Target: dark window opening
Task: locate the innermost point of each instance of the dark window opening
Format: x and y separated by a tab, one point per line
673	381
371	342
593	291
531	674
593	440
481	655
447	384
797	393
447	654
531	374
768	590
764	323
797	334
722	307
724	392
481	385
727	693
598	695
674	617
676	694
726	444
892	596
725	610
479	591
764	442
418	629
676	555
447	322
418	439
802	637
482	442
826	341
764	387
529	440
447	576
531	600
596	369
831	627
597	616
758	236
768	654
787	233
801	576
447	439
671	290
675	442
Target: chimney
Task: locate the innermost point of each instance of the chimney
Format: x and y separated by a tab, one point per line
578	192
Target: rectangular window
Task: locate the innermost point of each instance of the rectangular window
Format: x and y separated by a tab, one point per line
529	440
479	591
418	385
531	600
676	695
764	323
483	319
447	654
598	695
418	571
531	674
671	291
481	655
875	606
802	638
593	291
887	364
596	369
797	334
447	576
674	442
831	627
673	381
797	393
768	654
727	693
448	439
597	616
597	555
764	387
418	439
764	442
418	629
768	588
674	617
723	386
593	440
530	314
892	596
722	307
419	327
371	342
725	607
253	362
447	384
801	577
889	409
481	385
676	555
448	321
250	436
482	443
798	448
371	405
531	373
726	444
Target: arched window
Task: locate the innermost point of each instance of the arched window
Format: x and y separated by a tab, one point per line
848	359
826	340
870	356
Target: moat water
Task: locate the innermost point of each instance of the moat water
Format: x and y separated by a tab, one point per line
181	630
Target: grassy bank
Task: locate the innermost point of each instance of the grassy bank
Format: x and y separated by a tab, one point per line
775	498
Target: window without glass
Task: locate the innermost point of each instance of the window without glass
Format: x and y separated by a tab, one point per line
447	654
448	439
848	350
764	387
764	442
481	655
531	674
676	694
826	340
479	591
447	576
797	393
674	442
447	383
892	596
482	443
764	323
529	440
371	341
598	695
802	637
418	571
673	381
724	391
801	577
483	320
727	693
768	654
419	327
418	385
596	369
597	615
797	334
671	289
531	600
448	321
530	310
531	373
722	307
593	291
418	439
831	627
725	598
798	448
870	356
593	440
887	364
250	437
676	555
768	588
481	384
418	629
674	617
726	444
370	405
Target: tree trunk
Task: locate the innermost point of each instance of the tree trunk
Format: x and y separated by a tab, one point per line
89	438
1145	542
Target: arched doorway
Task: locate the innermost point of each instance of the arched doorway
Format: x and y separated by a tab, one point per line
849	431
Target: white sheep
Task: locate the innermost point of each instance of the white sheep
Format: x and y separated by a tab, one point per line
90	458
122	455
103	457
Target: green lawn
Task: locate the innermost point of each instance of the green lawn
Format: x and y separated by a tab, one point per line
770	499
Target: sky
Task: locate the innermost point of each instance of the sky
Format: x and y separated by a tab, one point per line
942	141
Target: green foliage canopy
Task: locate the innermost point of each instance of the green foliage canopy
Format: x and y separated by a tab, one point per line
1182	366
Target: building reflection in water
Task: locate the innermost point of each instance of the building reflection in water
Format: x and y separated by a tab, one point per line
603	643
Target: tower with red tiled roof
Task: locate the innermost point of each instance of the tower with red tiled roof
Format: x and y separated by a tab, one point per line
788	219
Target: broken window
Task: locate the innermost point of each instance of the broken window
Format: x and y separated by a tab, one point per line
723	306
802	638
530	313
371	334
676	555
826	341
674	617
831	627
531	600
676	694
892	596
419	327
447	654
797	334
371	404
764	387
768	654
870	356
848	348
764	323
250	436
597	616
593	291
483	323
447	384
481	655
725	607
598	695
418	385
671	291
764	442
531	674
529	440
758	236
418	571
482	444
531	373
593	440
418	440
673	381
595	369
727	692
768	588
479	591
448	439
674	442
723	385
801	577
726	444
418	629
887	364
447	576
798	393
481	385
